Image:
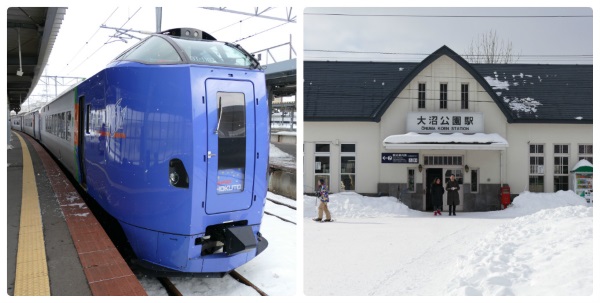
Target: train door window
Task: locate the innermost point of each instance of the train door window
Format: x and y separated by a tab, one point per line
87	119
348	167
69	127
231	127
322	167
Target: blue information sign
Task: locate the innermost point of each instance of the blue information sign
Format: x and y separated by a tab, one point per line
408	158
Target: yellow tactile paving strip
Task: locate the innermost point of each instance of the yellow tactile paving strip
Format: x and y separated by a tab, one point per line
31	278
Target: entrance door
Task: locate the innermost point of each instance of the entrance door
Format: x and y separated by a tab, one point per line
430	175
458	175
231	145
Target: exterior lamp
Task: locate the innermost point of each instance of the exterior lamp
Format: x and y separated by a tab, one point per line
420	168
466	168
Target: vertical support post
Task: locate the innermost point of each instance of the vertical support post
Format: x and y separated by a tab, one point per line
158	19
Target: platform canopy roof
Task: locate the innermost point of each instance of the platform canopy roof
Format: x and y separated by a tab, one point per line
31	33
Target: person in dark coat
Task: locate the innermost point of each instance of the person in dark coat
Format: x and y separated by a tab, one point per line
453	199
437	196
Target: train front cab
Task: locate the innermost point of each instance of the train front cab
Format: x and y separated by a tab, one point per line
178	154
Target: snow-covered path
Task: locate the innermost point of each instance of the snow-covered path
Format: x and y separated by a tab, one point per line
542	245
420	259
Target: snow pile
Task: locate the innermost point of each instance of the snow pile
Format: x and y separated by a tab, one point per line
547	253
528	203
353	205
275	152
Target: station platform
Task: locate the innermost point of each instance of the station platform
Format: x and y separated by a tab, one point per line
55	245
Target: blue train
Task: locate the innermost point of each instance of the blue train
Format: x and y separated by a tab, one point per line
172	140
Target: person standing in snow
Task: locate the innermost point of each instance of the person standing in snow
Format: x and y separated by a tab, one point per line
323	196
453	199
437	196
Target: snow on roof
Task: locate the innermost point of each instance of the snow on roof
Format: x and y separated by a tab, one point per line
496	84
528	105
581	164
446	141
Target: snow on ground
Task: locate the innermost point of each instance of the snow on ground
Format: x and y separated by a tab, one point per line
273	271
281	158
540	245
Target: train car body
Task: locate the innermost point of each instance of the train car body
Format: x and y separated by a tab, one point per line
31	123
16	122
172	140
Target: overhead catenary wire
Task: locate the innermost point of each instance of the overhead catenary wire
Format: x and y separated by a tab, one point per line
88	40
105	43
446	16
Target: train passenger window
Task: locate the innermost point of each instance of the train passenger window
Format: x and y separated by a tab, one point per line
68	131
155	50
231	128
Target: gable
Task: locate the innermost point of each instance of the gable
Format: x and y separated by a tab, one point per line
363	91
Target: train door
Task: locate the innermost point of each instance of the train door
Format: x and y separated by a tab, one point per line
458	175
81	116
430	175
231	145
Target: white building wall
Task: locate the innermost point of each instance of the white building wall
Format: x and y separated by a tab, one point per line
443	70
523	134
363	134
495	167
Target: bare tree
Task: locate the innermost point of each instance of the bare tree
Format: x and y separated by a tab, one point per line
489	48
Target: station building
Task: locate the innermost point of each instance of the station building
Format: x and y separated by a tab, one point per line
390	128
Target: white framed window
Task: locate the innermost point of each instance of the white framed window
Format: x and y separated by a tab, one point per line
561	167
474	180
586	152
464	96
411	187
443	95
421	95
348	166
536	167
322	163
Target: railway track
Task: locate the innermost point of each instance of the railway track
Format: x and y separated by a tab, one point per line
282	204
172	290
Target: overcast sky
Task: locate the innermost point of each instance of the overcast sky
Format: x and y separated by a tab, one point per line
82	48
413	33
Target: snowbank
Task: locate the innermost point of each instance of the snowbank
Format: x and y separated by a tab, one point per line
353	205
546	253
275	152
528	203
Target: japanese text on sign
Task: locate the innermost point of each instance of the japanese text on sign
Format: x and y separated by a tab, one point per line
445	122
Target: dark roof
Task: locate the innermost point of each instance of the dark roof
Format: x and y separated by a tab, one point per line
362	91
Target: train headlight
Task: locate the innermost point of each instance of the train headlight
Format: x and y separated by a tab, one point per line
174	177
178	176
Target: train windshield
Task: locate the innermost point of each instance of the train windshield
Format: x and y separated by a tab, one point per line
154	50
215	53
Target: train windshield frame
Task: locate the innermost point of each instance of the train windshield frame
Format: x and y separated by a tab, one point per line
214	53
160	49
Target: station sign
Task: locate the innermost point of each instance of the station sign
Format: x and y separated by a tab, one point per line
403	158
444	122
